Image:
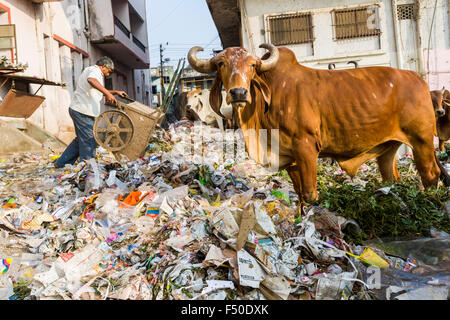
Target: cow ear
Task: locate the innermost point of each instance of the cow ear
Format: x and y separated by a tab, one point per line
446	102
263	87
215	96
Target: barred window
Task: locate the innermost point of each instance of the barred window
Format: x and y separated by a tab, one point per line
406	11
356	23
290	28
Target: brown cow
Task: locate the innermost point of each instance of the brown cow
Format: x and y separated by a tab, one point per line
350	115
437	97
441	105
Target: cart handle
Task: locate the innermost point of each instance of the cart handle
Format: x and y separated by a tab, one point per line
126	98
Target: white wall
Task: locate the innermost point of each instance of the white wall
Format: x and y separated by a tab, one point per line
36	26
139	6
402	44
367	51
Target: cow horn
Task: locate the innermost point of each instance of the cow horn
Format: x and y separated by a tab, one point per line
272	60
200	65
443	90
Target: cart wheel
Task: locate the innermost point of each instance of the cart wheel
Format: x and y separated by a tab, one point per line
113	130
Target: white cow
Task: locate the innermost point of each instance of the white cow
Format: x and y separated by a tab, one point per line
198	102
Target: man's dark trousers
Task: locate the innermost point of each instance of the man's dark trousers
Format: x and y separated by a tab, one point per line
84	145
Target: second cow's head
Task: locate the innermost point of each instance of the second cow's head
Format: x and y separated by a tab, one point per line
441	102
237	71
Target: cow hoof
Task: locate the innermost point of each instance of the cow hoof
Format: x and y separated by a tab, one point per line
310	197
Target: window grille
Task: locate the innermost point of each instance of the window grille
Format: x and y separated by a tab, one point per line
288	29
406	12
356	23
8	41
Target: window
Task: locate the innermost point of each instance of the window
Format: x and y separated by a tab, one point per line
406	12
290	28
8	42
356	23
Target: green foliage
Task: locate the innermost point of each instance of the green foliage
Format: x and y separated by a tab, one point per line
21	289
405	211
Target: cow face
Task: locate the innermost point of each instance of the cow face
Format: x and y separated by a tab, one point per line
193	101
236	68
236	71
440	102
197	106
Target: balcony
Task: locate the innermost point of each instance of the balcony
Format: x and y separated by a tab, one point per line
139	44
112	31
121	26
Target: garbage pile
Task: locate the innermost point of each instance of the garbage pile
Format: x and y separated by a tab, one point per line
172	226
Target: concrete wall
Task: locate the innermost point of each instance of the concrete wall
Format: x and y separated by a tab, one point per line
139	25
437	71
142	79
35	26
139	6
101	19
121	11
367	51
404	44
38	26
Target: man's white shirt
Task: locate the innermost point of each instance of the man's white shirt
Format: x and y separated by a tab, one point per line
86	98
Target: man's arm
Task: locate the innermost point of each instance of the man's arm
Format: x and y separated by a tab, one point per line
120	93
108	95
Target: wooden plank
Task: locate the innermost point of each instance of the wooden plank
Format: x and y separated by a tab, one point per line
18	104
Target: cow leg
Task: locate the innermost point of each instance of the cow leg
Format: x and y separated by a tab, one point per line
441	145
219	122
387	163
424	157
306	154
295	177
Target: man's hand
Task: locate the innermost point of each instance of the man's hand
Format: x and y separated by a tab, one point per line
110	99
123	94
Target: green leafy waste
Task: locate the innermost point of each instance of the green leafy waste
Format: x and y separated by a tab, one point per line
21	289
404	212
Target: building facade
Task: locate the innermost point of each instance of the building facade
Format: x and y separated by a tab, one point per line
58	39
168	72
193	80
405	34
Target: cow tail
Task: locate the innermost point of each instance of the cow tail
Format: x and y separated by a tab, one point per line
444	176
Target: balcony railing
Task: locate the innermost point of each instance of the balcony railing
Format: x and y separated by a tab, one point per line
121	26
139	43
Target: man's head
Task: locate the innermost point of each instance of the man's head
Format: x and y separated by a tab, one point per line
106	65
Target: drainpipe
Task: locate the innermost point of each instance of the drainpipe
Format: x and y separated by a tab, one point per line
397	40
246	25
40	45
448	13
87	32
420	64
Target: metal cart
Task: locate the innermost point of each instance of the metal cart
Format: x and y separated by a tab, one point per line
127	129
